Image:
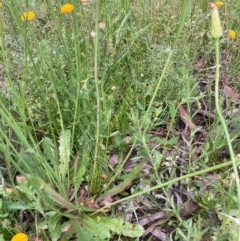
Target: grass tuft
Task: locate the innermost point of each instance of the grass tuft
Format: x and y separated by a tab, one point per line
117	122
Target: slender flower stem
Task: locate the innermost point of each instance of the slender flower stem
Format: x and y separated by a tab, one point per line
218	109
96	42
171	182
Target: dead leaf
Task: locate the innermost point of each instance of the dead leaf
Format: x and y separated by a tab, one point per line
145	202
229	93
160	235
185	118
188	208
149	219
113	161
107	201
90	204
128	217
37	238
144	184
179	199
129	166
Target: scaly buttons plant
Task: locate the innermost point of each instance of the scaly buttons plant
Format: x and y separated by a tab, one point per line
216	28
29	16
67	8
20	237
219	3
232	34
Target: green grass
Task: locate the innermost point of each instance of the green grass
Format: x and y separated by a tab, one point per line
75	96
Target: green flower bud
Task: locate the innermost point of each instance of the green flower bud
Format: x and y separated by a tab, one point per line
216	28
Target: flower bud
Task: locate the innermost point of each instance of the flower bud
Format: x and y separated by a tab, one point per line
216	28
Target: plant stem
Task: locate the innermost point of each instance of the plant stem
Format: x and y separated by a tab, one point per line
171	182
218	109
96	43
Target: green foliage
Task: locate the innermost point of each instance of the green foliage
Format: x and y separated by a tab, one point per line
64	153
193	232
105	227
71	92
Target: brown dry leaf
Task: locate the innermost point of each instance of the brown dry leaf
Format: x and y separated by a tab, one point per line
113	161
229	93
82	194
128	217
185	118
92	205
188	208
145	202
179	199
130	164
149	219
37	239
155	229
144	184
160	235
146	168
107	201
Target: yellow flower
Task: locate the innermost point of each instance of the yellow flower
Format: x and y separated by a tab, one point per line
20	237
232	34
219	3
29	16
1	4
67	8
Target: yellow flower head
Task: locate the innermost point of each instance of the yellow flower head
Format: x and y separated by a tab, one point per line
29	16
67	8
20	237
219	3
232	34
1	4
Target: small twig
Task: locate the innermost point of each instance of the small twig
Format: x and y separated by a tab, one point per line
205	113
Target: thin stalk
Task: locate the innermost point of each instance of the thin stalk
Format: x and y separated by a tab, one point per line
78	73
218	109
171	182
96	46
